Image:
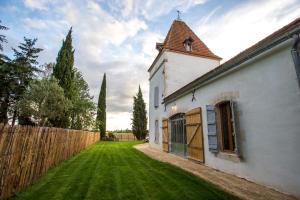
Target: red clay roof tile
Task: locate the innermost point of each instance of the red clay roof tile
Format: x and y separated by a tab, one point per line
178	33
175	38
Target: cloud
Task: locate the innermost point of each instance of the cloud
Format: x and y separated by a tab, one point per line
118	120
36	23
157	8
237	29
150	9
149	41
37	4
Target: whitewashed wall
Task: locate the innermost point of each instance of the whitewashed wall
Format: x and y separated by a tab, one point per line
182	69
157	80
268	98
171	72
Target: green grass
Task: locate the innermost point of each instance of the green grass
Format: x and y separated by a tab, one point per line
115	170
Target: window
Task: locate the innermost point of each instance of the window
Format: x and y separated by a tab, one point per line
222	127
188	44
156	97
225	125
156	138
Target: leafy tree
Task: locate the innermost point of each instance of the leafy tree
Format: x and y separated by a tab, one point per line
139	120
7	85
46	70
4	82
42	100
15	76
63	71
101	109
82	109
2	37
26	68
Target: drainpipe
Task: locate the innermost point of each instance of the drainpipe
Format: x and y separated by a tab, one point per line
295	55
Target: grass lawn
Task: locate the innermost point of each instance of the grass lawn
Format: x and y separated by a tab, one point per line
115	170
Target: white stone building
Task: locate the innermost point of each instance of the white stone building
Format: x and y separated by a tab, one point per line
241	117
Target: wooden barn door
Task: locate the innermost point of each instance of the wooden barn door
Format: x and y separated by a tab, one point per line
194	135
165	135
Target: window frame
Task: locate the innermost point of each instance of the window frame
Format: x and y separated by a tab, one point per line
230	124
156	131
156	97
188	46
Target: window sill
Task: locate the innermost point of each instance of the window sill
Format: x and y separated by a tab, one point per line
229	156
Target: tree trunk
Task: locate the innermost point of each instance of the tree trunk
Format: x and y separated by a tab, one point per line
14	117
3	110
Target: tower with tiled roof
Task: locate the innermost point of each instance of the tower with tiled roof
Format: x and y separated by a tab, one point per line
181	58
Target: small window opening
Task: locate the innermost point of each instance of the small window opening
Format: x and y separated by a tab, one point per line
156	97
188	44
156	139
226	126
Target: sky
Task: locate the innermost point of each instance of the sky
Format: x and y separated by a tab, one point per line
118	37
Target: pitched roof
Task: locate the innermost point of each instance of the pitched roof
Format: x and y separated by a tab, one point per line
267	43
175	38
178	33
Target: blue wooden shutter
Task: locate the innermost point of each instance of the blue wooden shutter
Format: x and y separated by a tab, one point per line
156	97
212	128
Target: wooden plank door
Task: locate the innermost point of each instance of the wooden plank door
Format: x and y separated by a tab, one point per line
165	135
194	135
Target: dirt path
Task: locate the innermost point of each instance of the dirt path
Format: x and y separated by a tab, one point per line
235	185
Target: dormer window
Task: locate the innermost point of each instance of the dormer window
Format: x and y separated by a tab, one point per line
159	46
188	44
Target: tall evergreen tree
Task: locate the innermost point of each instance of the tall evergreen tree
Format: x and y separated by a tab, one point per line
15	76
139	120
24	69
2	37
63	71
101	109
4	92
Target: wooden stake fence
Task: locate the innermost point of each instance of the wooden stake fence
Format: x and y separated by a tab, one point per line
125	137
27	152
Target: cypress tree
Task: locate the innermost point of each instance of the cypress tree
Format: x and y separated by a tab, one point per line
63	71
101	109
139	120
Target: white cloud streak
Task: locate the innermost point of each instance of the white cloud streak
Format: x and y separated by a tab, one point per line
38	4
230	33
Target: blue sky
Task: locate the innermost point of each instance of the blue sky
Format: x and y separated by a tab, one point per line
118	36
